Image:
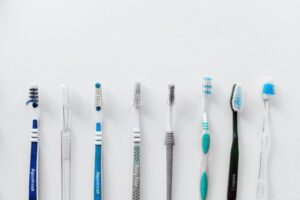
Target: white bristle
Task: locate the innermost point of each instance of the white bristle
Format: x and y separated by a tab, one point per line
237	99
65	96
171	93
98	98
137	95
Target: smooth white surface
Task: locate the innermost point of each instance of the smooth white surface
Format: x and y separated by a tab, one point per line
117	42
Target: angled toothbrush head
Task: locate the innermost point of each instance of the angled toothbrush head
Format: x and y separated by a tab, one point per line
137	95
268	90
236	100
207	86
98	97
33	96
171	94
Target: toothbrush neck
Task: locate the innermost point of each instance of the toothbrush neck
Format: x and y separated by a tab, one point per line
136	120
66	117
170	119
235	125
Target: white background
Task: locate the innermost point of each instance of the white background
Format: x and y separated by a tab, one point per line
117	42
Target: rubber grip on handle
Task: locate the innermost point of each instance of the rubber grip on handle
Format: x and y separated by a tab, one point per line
98	173
169	142
66	165
136	173
233	171
204	185
33	174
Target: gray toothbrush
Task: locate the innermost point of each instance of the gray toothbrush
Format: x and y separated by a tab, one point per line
136	143
169	140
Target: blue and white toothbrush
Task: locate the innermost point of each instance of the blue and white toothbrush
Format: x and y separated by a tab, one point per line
98	193
34	157
262	183
66	144
136	143
207	88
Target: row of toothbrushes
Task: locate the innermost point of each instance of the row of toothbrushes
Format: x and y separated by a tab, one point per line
236	106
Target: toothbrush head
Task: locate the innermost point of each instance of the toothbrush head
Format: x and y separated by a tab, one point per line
268	90
33	96
171	94
236	100
207	86
98	97
137	95
65	95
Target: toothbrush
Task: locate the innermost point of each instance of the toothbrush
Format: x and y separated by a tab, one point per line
169	140
98	193
66	144
262	183
34	157
207	88
136	143
236	106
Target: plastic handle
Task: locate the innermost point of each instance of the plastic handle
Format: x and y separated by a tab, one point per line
233	171
98	173
136	172
66	165
169	142
33	174
204	176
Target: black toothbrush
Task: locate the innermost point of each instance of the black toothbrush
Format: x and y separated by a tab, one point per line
236	105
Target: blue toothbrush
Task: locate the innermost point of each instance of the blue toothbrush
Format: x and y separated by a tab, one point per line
98	194
34	157
207	88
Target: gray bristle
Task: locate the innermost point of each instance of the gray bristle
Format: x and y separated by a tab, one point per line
171	93
137	95
98	99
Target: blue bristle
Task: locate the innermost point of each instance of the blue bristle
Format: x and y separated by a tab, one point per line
237	101
98	85
268	89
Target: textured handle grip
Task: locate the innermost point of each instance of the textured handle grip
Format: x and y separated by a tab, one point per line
33	175
66	165
169	142
136	172
204	185
98	173
233	171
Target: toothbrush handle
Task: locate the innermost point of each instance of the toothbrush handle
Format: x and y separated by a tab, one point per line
33	175
66	165
34	162
136	172
169	142
262	183
204	175
233	171
98	173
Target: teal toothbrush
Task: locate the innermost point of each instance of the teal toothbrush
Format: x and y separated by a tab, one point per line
207	88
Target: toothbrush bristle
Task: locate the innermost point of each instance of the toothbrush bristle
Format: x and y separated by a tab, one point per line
268	90
33	96
236	101
65	96
98	97
137	95
207	86
171	93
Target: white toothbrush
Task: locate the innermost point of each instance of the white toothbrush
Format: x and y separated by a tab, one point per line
66	144
262	182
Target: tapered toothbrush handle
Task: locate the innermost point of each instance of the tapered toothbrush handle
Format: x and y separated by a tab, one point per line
66	165
98	173
204	175
34	163
169	142
33	174
262	184
233	171
136	172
